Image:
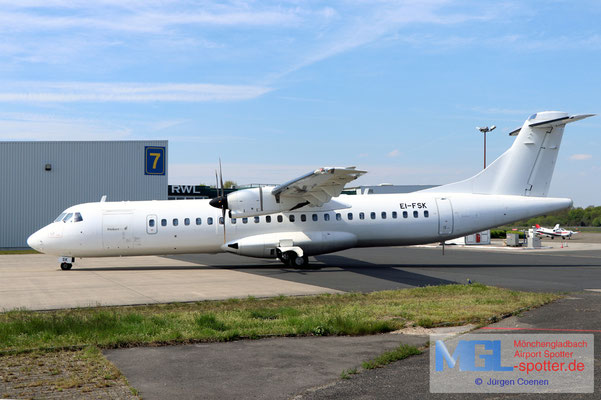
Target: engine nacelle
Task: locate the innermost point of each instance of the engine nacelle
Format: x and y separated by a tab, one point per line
257	201
311	243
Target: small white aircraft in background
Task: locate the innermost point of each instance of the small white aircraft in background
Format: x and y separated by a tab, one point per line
555	232
309	216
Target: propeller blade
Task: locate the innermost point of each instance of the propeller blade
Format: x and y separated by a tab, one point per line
221	179
223	201
223	216
216	183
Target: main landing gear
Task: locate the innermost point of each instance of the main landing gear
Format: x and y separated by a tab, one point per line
290	259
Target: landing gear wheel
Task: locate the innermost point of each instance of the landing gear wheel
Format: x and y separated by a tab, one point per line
288	258
301	261
66	266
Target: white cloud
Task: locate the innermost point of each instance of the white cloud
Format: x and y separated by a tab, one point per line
25	126
394	153
580	157
64	92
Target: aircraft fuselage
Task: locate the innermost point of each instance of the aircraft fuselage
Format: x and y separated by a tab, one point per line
193	226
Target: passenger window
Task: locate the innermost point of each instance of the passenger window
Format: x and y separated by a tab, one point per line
151	223
67	217
361	215
233	221
60	217
394	215
338	217
383	214
163	222
221	221
303	217
280	218
268	219
426	213
186	221
405	214
175	222
210	221
245	220
77	217
198	221
257	219
349	216
326	217
291	218
372	215
314	217
415	214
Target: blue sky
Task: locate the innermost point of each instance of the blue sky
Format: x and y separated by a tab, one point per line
277	89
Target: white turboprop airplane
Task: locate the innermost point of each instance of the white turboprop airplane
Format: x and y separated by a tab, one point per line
301	218
555	232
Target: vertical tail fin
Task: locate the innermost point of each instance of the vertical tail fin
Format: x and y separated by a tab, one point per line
527	167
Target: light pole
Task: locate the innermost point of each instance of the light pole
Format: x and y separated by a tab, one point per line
485	130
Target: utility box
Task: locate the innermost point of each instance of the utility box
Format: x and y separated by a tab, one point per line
533	239
478	238
473	239
513	240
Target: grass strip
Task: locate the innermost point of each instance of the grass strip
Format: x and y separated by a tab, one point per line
339	314
23	251
401	352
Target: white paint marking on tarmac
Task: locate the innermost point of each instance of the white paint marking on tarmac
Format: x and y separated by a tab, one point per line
593	290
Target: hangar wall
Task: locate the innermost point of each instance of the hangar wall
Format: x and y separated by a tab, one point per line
32	196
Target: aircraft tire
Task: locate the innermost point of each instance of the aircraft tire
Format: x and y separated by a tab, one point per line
287	259
66	266
301	262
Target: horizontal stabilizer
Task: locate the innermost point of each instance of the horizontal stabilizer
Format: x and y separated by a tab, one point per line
553	122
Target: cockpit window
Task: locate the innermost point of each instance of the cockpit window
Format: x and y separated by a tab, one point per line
68	217
77	217
533	116
60	217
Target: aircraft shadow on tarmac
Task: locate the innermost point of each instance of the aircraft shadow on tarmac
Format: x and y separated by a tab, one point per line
326	268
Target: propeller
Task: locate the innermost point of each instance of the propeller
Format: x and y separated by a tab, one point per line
221	200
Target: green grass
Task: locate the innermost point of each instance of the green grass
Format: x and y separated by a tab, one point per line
401	352
342	314
22	251
346	373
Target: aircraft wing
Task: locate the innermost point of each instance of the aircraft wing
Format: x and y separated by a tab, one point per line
319	186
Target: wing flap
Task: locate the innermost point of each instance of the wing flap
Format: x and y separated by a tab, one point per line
319	186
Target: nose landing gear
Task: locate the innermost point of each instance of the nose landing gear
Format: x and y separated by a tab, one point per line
66	266
66	262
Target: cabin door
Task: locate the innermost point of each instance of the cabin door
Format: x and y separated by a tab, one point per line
445	216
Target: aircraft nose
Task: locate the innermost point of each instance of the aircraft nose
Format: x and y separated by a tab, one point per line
35	242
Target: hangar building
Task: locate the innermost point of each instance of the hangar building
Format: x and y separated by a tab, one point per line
38	180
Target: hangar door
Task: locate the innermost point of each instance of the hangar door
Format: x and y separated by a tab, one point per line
117	230
445	216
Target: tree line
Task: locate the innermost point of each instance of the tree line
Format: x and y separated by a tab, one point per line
576	216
